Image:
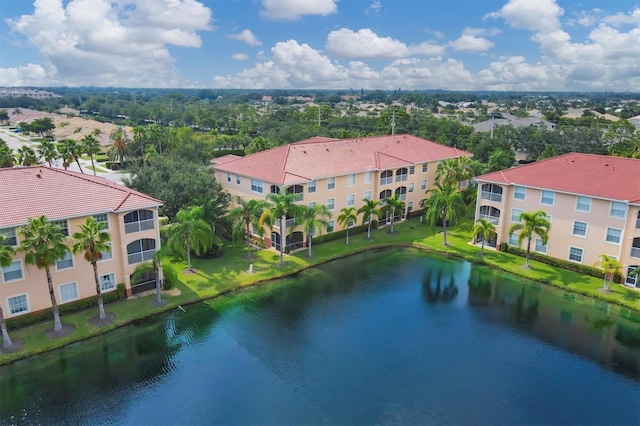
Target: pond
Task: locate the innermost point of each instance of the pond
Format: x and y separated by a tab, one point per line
387	337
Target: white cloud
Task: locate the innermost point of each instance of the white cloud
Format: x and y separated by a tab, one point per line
28	75
481	31
365	44
247	36
513	73
293	10
619	19
437	34
586	18
542	15
469	43
374	8
239	57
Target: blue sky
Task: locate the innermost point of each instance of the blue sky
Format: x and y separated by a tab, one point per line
371	44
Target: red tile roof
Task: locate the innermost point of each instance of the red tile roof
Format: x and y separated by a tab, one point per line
320	157
27	192
599	176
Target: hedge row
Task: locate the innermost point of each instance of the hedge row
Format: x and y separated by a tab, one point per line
337	235
223	152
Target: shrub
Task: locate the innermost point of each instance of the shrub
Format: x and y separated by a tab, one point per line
222	152
337	235
121	290
170	277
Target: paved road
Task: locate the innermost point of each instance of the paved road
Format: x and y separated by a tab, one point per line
15	141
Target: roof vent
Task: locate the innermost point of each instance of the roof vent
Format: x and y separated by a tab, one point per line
39	174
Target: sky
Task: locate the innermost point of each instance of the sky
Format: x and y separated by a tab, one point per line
532	45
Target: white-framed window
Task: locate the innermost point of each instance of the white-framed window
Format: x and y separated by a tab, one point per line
579	228
107	282
409	206
331	183
425	167
256	186
410	187
141	250
331	203
513	239
107	254
575	254
367	195
401	174
13	272
311	187
65	262
64	226
138	221
515	215
412	170
423	185
540	247
547	197
386	177
330	226
632	280
238	180
228	177
18	304
618	209
10	238
613	235
350	223
311	205
519	193
351	179
351	200
102	218
583	204
367	177
68	292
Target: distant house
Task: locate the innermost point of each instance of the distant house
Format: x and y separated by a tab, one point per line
513	121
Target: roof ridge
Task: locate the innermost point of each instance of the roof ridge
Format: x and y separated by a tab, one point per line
286	157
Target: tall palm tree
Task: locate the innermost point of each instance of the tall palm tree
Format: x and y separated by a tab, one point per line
73	150
486	229
347	215
27	156
47	151
190	232
281	205
244	214
530	224
43	244
448	171
369	209
6	257
313	220
151	267
393	204
93	240
119	150
91	145
214	212
610	266
444	203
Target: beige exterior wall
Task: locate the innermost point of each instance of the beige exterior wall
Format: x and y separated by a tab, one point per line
34	282
599	225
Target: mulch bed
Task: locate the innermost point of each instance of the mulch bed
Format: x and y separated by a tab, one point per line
16	345
96	321
67	329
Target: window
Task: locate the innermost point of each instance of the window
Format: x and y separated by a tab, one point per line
139	220
386	177
412	170
618	209
351	200
331	203
237	179
311	187
425	167
12	272
141	250
367	195
330	225
579	228
409	206
519	193
350	223
513	239
384	195
274	189
9	235
613	235
423	185
401	193
583	204
331	183
401	174
68	292
540	247
107	282
107	254
18	304
575	254
102	218
411	187
64	226
256	186
547	198
631	279
65	262
228	177
311	205
367	177
351	180
515	215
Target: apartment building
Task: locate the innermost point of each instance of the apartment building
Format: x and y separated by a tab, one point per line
592	202
68	199
337	173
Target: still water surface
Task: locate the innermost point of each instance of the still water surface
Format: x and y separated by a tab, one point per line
390	337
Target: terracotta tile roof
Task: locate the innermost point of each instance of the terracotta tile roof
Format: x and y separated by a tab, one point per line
27	192
319	157
225	158
599	176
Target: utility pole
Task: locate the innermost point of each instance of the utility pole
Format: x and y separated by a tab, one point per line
393	123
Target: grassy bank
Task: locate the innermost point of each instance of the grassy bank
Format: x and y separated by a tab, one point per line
231	271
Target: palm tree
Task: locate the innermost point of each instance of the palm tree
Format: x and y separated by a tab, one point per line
7	158
486	229
214	212
27	156
73	150
91	145
244	214
65	155
448	172
313	220
347	216
610	266
6	257
369	209
530	224
152	267
188	232
47	151
93	240
43	244
281	205
445	203
393	204
119	149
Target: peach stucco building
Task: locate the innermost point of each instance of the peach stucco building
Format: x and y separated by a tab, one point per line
338	173
68	198
592	201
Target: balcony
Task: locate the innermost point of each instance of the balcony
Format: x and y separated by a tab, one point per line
491	196
142	256
492	219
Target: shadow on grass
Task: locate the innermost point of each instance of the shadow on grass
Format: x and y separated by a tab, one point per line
631	295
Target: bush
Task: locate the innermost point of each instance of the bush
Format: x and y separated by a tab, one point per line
222	152
113	165
170	277
121	290
343	233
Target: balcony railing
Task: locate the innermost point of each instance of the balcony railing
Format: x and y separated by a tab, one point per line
142	225
635	252
491	196
142	256
386	180
491	219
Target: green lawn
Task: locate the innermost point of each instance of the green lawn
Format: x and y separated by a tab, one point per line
231	271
